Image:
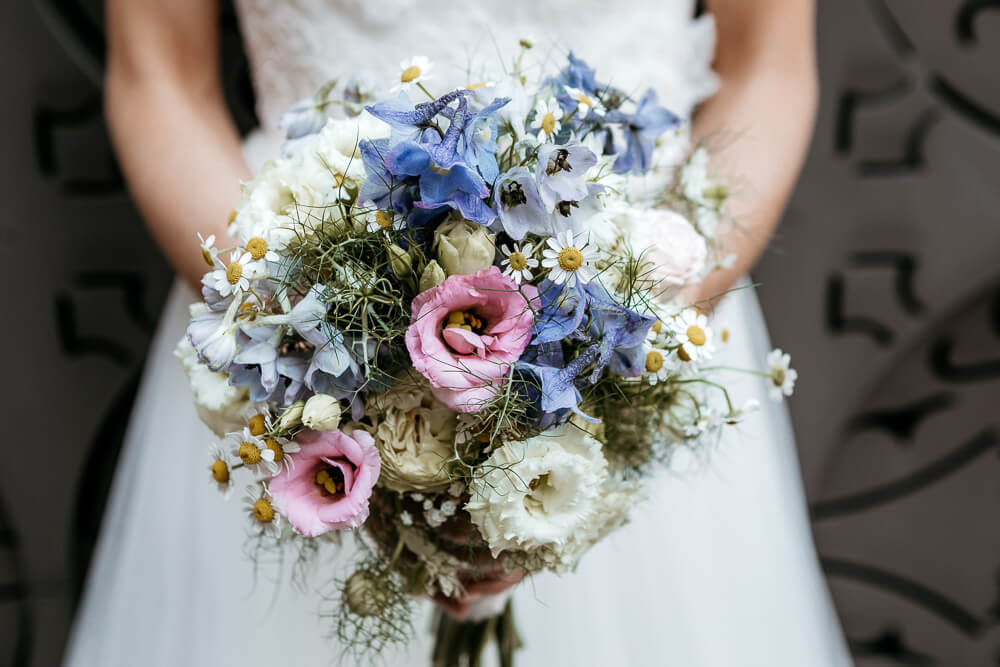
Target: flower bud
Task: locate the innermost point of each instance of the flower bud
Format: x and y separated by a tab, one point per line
364	596
291	416
432	276
463	247
400	261
322	413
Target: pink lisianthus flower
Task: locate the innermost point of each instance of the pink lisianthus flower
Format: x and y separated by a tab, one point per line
467	332
329	486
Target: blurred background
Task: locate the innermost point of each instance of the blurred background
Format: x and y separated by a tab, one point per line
883	284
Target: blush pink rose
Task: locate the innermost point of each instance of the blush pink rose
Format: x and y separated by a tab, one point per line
677	252
329	486
467	364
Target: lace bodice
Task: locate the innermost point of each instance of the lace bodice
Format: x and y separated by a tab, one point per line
296	45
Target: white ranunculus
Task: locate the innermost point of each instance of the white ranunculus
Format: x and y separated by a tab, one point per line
415	435
544	495
463	247
219	404
674	254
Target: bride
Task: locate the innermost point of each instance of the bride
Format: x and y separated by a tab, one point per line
716	569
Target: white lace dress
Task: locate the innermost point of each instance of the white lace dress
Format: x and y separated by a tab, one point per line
716	569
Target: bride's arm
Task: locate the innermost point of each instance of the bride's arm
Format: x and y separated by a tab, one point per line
763	114
174	137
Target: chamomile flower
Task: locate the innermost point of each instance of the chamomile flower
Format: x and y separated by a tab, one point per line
281	450
222	471
378	220
548	115
253	452
231	278
694	335
518	262
568	260
657	366
583	102
413	71
261	512
208	250
780	373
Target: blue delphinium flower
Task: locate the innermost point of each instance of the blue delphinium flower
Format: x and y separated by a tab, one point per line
562	172
642	129
479	138
409	121
578	74
519	204
332	365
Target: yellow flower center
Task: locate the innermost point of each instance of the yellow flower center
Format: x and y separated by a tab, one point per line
262	511
275	446
682	355
249	453
696	335
657	326
724	335
778	376
464	319
257	247
570	259
234	272
409	74
475	86
549	123
654	361
518	261
383	219
257	425
207	256
232	216
338	179
220	471
248	311
330	480
583	99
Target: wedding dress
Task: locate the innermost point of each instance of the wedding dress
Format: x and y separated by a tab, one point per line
716	568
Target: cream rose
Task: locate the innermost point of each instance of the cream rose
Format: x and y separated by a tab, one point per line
463	247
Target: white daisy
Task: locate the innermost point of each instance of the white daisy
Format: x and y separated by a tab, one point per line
584	102
378	220
281	450
208	249
261	513
518	262
694	335
548	113
231	278
413	71
222	472
657	367
253	452
781	374
568	260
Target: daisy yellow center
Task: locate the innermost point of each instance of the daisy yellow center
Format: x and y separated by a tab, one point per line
331	481
262	511
654	361
409	74
778	376
275	446
249	453
696	335
338	179
232	216
234	272
518	261
220	471
724	335
257	247
464	319
682	355
207	256
248	311
257	425
549	123
583	99
383	219
570	259
657	326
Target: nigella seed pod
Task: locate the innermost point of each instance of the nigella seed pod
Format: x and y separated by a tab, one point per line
364	595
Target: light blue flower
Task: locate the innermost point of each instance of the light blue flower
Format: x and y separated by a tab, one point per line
642	129
520	206
562	172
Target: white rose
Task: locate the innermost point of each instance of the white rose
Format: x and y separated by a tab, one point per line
463	247
539	495
219	404
415	435
321	413
674	254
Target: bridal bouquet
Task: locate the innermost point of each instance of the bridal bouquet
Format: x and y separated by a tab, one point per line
454	319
